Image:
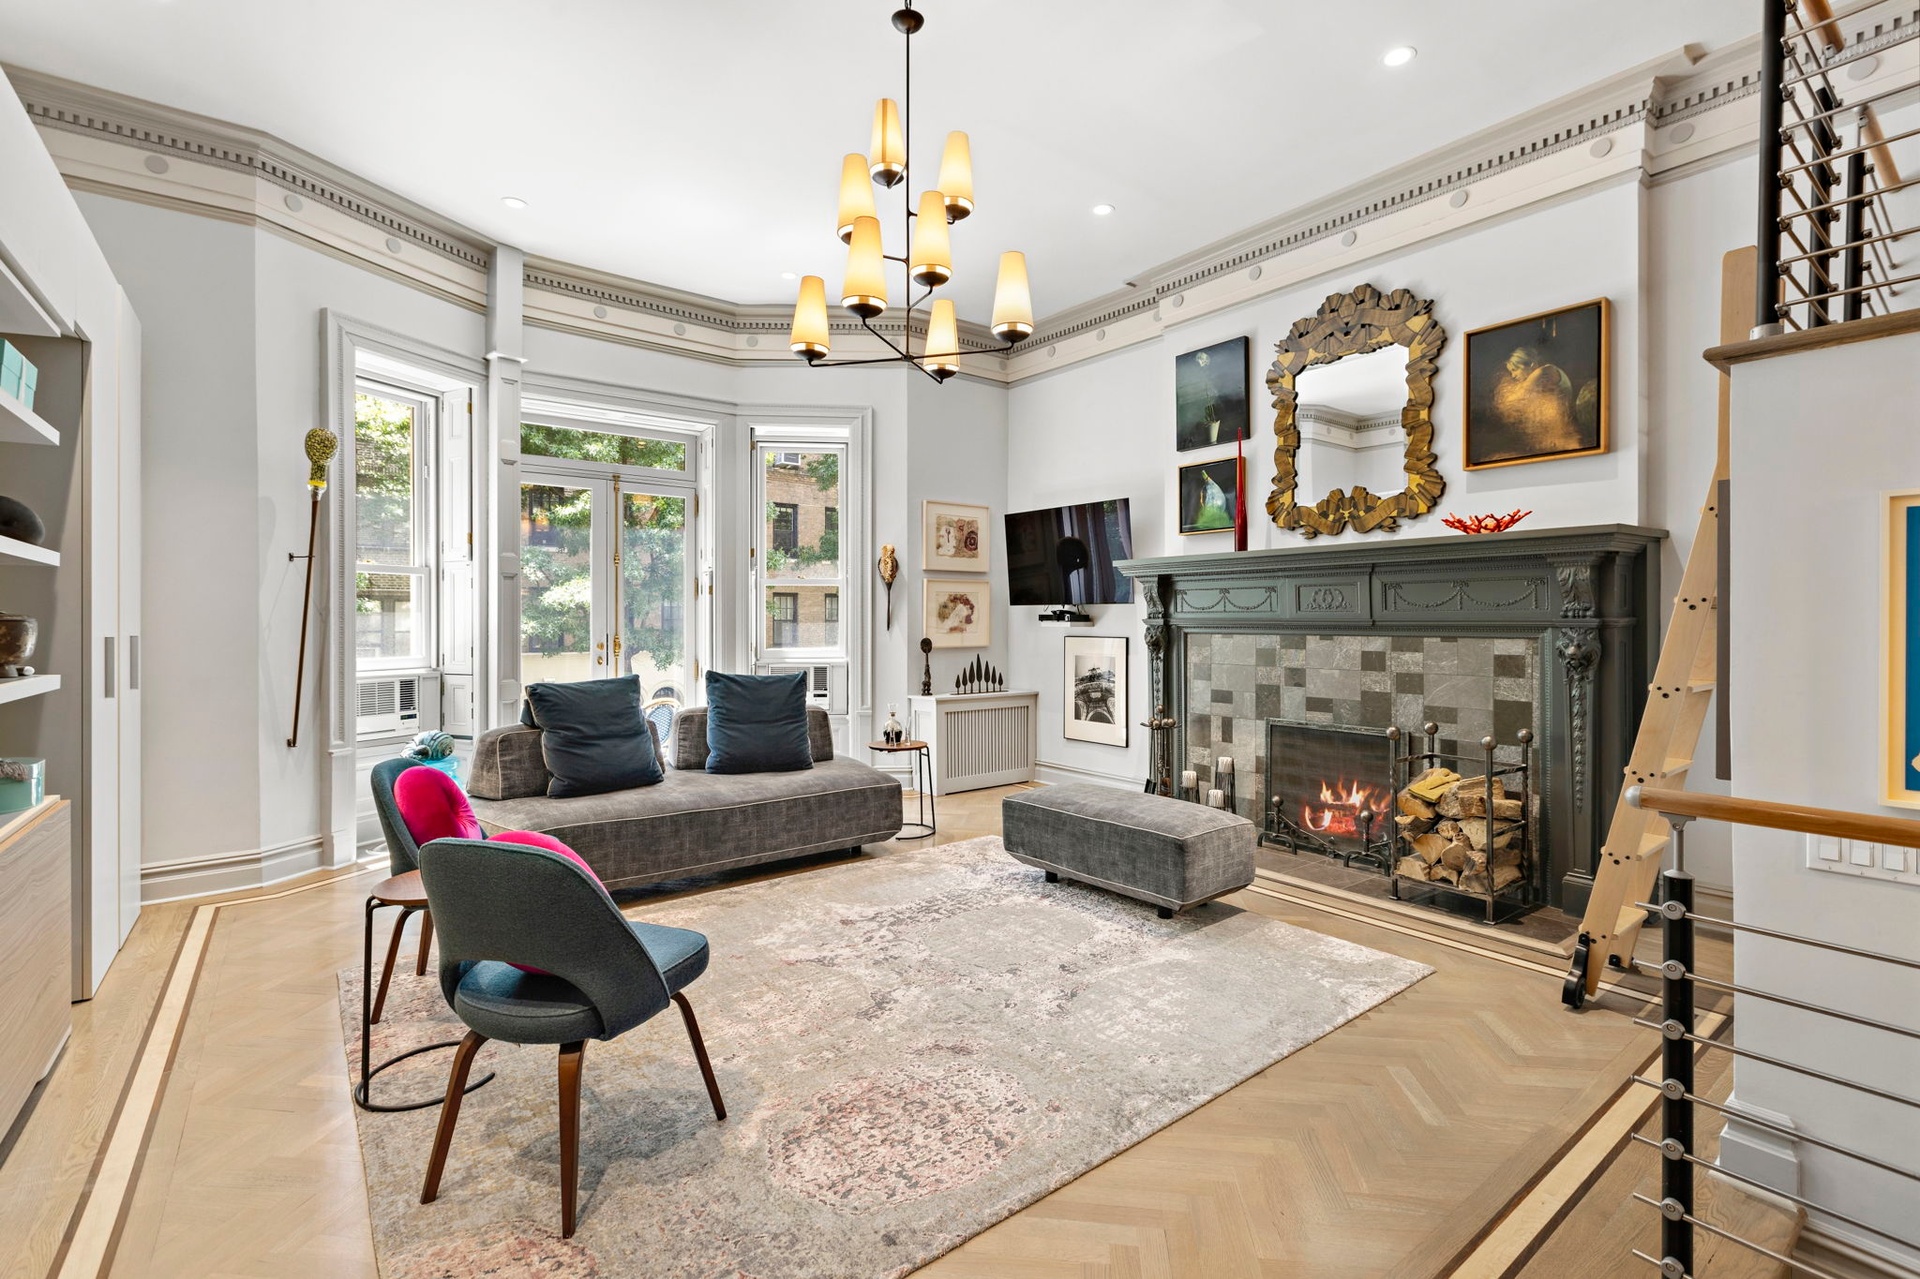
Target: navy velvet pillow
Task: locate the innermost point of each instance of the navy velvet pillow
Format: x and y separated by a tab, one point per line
757	723
592	736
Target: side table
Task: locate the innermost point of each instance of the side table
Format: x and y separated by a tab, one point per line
409	894
924	807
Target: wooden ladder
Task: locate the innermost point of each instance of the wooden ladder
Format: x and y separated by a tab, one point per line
1684	679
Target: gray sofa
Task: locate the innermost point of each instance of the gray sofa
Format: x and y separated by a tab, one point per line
694	822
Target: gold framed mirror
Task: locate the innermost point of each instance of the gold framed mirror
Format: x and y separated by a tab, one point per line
1352	436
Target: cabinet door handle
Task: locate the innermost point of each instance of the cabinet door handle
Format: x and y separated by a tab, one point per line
133	663
109	665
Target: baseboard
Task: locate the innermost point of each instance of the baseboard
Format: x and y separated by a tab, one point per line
1056	774
1846	1258
229	872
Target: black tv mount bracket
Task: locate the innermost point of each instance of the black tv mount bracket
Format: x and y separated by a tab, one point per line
1066	615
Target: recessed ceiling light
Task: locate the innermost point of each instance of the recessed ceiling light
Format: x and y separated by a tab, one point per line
1399	56
513	202
789	275
1102	210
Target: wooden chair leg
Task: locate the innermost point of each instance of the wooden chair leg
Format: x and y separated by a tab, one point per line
700	1052
426	942
572	1057
386	970
450	1112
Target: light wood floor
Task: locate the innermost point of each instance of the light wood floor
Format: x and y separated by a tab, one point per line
1388	1148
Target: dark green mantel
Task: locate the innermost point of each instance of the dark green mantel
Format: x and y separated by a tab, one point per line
1590	596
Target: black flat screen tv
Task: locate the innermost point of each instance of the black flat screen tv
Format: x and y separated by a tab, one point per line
1065	554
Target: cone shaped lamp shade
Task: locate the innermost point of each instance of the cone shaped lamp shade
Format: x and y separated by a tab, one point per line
809	338
856	194
889	149
942	355
956	176
865	290
931	261
1012	300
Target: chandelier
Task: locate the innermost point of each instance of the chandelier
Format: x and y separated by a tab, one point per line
929	259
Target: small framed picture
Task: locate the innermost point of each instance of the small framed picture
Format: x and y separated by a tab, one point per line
1902	679
1096	689
1537	387
954	538
1210	395
1210	495
957	613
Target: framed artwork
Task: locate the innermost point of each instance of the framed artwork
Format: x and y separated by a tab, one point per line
1902	737
1210	395
1537	388
1210	494
954	538
956	613
1096	689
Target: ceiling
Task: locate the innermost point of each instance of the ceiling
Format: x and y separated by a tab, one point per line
698	145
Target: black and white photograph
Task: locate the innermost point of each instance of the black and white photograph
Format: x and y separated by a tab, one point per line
1096	689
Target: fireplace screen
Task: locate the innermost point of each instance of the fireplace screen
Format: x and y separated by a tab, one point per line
1330	790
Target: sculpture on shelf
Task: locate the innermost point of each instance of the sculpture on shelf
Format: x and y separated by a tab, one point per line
980	676
926	667
889	569
18	521
17	636
321	444
1484	523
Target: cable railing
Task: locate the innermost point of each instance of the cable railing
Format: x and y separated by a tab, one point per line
1829	230
1682	1041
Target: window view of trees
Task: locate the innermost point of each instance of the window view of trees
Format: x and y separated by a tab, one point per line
601	446
386	604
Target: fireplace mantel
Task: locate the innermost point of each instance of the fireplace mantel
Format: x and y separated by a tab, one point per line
1589	596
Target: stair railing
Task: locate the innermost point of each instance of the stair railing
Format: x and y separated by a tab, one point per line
1679	978
1827	232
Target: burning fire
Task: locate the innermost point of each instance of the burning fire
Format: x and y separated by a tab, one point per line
1339	809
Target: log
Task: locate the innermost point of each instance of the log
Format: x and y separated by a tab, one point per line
1476	882
1443	871
1468	797
1475	831
1456	857
1412	868
1428	847
1413	806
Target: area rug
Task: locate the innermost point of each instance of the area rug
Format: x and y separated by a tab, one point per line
912	1047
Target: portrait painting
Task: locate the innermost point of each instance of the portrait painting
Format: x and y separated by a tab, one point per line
957	613
954	537
1537	387
1095	696
1210	395
1902	679
1210	495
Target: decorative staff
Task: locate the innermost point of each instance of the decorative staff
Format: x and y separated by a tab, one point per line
889	569
321	445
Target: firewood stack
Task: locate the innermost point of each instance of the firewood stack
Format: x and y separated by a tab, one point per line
1444	821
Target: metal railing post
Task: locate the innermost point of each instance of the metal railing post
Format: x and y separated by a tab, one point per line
1676	1106
1773	30
1854	229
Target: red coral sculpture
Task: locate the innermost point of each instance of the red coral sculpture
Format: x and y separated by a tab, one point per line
1485	523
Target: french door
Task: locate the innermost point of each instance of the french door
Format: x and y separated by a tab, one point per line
608	564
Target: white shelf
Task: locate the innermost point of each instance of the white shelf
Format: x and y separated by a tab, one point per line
21	425
14	551
12	690
20	312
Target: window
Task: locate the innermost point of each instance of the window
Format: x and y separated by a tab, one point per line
579	445
394	538
833	607
783	618
801	573
833	520
784	525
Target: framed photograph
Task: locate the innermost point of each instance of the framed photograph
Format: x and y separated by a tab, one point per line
1537	388
956	613
1902	737
1210	395
954	538
1096	689
1210	495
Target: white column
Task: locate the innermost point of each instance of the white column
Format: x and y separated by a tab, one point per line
498	447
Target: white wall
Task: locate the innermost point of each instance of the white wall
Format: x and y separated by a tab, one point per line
1820	438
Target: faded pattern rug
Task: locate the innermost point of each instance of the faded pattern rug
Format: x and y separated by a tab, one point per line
912	1047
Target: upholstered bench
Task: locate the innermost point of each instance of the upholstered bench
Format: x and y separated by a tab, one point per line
1165	851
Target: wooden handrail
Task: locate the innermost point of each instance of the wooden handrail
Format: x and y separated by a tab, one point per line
1795	817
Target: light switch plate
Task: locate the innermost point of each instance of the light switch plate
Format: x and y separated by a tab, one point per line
1890	862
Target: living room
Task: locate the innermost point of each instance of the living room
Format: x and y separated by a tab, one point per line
1160	686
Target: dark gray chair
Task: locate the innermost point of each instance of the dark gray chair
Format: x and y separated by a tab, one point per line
498	904
403	855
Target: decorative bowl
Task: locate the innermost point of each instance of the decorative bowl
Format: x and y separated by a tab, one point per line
1484	523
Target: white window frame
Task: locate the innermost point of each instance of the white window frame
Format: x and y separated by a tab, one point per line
765	653
426	529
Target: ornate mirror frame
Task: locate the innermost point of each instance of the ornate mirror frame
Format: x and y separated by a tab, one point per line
1354	324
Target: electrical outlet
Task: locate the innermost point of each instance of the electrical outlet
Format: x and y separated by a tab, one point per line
1891	862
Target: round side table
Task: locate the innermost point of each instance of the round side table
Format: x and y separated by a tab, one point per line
410	895
922	789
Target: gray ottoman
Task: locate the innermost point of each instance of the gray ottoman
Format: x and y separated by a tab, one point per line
1165	851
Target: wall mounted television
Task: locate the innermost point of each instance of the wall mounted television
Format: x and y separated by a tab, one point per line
1065	555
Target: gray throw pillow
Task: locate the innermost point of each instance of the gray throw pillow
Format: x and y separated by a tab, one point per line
528	719
593	738
757	723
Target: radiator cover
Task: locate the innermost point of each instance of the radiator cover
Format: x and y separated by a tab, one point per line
978	739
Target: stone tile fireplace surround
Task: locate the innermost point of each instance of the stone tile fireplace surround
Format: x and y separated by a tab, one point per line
1554	630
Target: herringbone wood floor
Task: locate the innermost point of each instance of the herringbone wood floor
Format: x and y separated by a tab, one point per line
1385	1149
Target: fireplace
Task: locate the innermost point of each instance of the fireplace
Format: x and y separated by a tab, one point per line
1329	790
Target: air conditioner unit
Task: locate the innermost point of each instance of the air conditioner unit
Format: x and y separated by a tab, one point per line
826	684
389	707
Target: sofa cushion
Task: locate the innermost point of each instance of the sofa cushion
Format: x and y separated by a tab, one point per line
528	719
697	822
757	723
689	746
592	736
509	764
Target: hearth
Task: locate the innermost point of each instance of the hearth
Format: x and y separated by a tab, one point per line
1329	790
